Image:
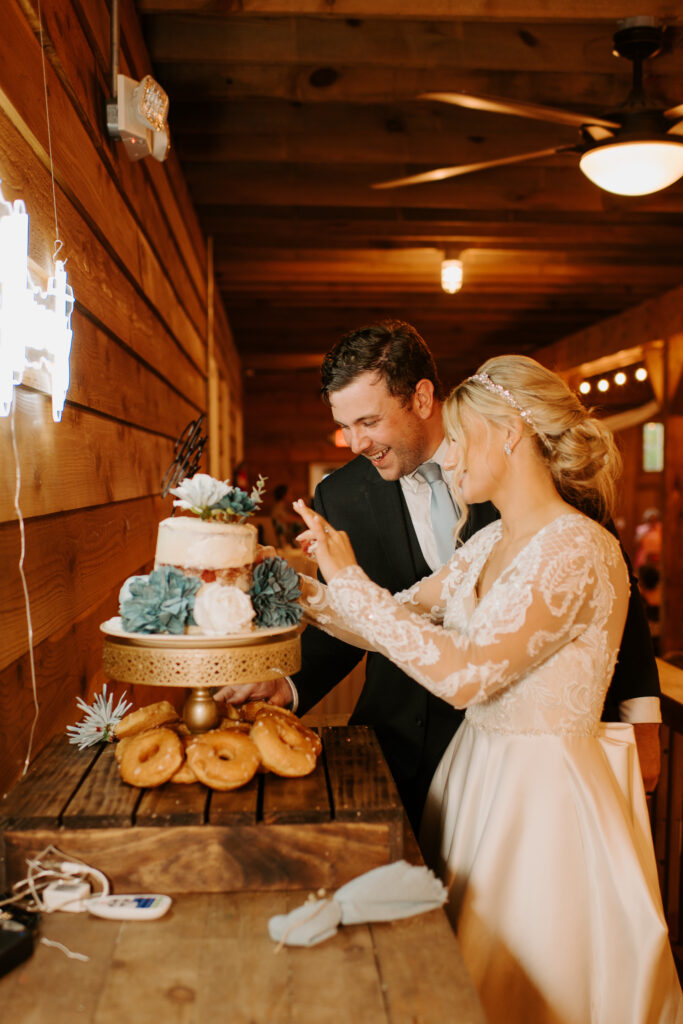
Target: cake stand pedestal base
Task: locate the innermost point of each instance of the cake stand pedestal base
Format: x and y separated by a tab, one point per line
200	669
200	711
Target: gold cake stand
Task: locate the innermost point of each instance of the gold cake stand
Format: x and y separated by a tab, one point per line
199	663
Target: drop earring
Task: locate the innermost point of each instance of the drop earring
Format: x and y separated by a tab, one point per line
507	448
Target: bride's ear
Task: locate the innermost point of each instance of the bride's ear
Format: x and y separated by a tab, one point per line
513	435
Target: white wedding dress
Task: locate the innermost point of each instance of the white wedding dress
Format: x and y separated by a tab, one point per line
536	817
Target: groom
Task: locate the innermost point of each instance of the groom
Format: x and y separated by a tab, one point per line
383	391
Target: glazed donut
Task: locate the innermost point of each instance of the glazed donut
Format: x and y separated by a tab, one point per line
146	718
284	746
232	723
151	759
223	758
252	708
230	711
184	774
311	736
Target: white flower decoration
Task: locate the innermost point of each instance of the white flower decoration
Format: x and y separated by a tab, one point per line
100	719
124	593
198	493
219	609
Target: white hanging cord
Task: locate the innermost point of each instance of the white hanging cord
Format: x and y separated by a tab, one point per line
58	241
57	246
27	603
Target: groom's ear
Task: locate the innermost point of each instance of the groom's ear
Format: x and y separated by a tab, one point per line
423	398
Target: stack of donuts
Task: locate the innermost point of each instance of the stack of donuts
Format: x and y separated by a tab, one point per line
154	746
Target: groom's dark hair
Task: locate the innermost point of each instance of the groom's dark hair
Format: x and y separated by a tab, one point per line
392	349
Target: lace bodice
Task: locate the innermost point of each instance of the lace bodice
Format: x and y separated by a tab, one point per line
535	654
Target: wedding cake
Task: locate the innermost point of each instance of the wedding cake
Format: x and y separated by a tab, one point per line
213	551
204	579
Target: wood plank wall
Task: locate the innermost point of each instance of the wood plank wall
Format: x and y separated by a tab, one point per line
656	328
136	259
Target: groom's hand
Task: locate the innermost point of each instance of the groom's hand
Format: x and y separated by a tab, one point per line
647	742
277	691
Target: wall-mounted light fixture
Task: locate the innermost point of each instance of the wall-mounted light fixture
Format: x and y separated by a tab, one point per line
137	113
35	324
137	118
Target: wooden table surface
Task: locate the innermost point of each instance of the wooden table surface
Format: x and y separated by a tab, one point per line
210	959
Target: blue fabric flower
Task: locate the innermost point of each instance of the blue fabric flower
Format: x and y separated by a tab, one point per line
159	603
275	593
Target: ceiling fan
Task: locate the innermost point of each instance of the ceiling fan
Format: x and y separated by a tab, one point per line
633	150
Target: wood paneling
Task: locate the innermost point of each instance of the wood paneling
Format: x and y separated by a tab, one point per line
90	485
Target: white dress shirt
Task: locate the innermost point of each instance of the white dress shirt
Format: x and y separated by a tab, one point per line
418	498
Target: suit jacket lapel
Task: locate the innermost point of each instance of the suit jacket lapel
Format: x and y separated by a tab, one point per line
395	531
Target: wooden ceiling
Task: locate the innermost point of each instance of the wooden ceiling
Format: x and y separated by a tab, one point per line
283	115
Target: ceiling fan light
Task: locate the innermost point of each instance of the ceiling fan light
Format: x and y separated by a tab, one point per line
634	168
451	276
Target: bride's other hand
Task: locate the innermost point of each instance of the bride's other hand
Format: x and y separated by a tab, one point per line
333	549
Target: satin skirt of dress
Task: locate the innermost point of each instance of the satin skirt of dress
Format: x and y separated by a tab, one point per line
544	843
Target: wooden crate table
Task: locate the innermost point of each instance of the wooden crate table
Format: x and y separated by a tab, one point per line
273	834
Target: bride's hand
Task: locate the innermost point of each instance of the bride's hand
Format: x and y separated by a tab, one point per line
333	549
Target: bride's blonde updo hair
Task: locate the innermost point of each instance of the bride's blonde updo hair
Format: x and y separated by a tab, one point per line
579	451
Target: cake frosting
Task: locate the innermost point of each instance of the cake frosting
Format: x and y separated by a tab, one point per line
213	551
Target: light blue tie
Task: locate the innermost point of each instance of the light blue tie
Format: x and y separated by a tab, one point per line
444	515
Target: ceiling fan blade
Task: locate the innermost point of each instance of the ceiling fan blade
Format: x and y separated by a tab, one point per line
597	133
441	173
673	113
676	129
497	105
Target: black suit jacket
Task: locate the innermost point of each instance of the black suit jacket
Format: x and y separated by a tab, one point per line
413	726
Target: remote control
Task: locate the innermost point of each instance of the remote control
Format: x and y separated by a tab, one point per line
129	906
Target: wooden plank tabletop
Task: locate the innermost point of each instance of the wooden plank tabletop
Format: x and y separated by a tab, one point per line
211	959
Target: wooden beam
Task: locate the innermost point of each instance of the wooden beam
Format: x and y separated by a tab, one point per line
660	317
275	131
391	43
494	10
251	226
309	81
534	186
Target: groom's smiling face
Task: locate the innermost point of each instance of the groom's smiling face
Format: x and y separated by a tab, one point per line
392	434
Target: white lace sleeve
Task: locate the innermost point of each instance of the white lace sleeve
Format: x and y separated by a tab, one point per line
545	602
426	597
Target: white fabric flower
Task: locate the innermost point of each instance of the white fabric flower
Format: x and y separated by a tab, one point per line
199	492
124	593
219	609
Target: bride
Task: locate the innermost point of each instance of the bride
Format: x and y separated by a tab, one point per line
536	817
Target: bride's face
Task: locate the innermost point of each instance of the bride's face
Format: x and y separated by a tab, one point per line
475	457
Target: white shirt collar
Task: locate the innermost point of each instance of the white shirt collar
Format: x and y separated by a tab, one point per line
412	481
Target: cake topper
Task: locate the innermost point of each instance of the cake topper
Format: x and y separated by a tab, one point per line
188	453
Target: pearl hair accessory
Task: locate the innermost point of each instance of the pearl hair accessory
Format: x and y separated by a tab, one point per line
506	395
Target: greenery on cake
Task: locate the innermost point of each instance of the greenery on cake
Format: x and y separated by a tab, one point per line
275	593
215	500
159	603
